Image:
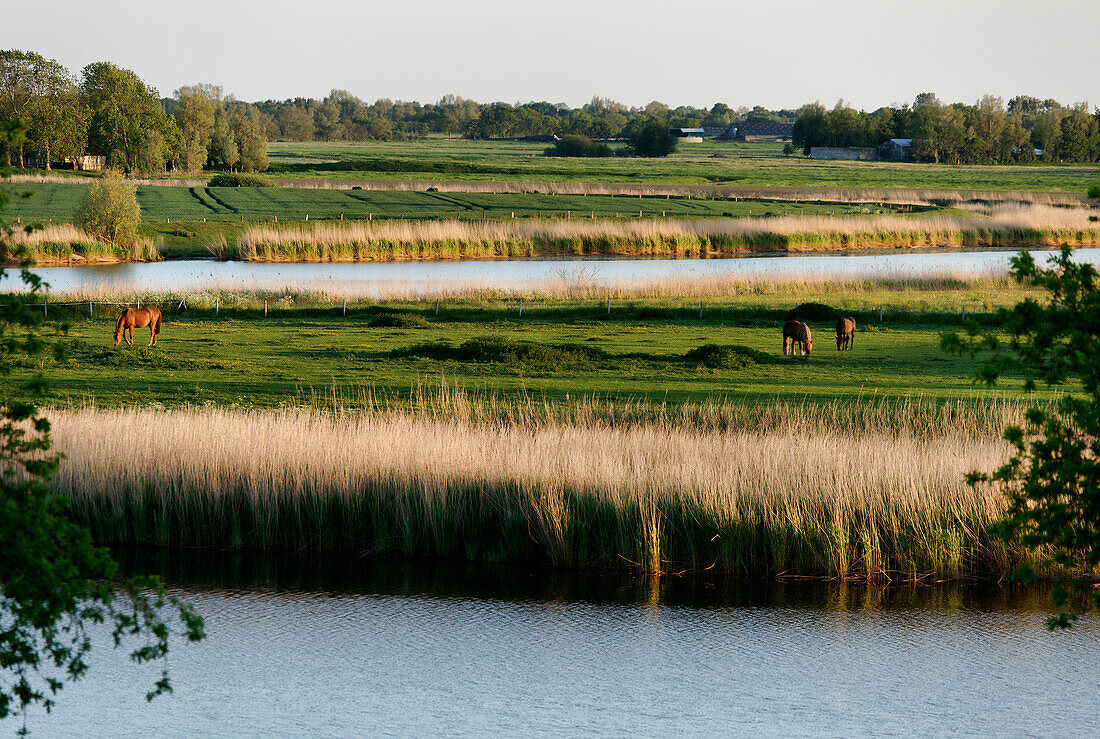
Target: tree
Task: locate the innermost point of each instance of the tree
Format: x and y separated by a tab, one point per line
652	139
194	113
17	89
223	143
1052	481
123	113
110	211
56	583
248	132
56	118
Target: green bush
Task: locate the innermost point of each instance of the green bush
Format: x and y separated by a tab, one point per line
399	320
501	350
813	312
577	146
732	356
240	179
109	211
1094	192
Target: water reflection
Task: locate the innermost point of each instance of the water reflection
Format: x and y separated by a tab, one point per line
421	278
301	646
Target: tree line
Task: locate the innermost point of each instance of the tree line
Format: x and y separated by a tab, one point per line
109	111
1026	129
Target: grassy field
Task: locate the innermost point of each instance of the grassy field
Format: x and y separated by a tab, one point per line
648	437
558	349
58	202
749	165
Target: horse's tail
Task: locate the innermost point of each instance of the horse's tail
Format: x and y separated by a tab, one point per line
156	324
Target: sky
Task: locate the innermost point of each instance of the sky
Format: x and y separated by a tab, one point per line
776	54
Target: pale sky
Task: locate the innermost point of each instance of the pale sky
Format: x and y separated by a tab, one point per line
779	54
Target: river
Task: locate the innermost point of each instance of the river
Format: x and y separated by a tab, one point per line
304	648
374	279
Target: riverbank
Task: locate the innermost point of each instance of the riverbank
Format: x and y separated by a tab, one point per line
1006	227
65	245
652	497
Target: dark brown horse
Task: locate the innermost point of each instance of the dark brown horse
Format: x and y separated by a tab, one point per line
137	318
798	334
845	333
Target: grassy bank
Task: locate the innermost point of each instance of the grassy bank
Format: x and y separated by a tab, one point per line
1001	227
62	245
644	344
655	497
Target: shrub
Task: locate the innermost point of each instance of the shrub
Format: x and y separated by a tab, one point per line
733	356
501	350
240	179
813	312
652	139
399	320
577	146
1094	192
110	212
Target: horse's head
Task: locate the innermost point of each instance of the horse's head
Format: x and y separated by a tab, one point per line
839	341
118	336
809	345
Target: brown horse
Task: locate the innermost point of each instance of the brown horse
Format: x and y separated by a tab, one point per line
845	333
798	334
137	318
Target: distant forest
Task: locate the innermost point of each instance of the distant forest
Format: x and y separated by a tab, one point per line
1026	129
110	112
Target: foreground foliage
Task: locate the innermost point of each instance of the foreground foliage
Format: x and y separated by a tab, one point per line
56	587
1053	479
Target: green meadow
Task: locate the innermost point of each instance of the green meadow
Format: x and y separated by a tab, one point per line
748	165
648	351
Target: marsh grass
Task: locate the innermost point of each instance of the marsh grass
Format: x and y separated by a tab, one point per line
654	496
63	244
1001	226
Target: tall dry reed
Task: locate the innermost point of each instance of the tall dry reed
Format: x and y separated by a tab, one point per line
1003	226
657	497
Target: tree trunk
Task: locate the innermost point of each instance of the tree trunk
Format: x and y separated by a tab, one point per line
47	156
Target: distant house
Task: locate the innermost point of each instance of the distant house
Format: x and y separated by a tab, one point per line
850	153
85	162
688	135
762	131
895	150
716	132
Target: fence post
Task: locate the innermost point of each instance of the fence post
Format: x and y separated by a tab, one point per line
265	308
964	314
880	314
89	309
138	301
700	308
45	307
609	306
216	305
521	307
437	306
345	307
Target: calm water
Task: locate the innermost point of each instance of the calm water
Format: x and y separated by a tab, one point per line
365	648
373	279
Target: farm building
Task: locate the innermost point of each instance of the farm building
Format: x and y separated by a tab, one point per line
850	153
84	162
895	150
688	135
763	131
717	132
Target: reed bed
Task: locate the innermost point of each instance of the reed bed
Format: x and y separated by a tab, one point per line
66	244
1004	226
655	497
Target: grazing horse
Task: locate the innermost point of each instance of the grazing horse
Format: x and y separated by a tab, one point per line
845	333
798	334
139	318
